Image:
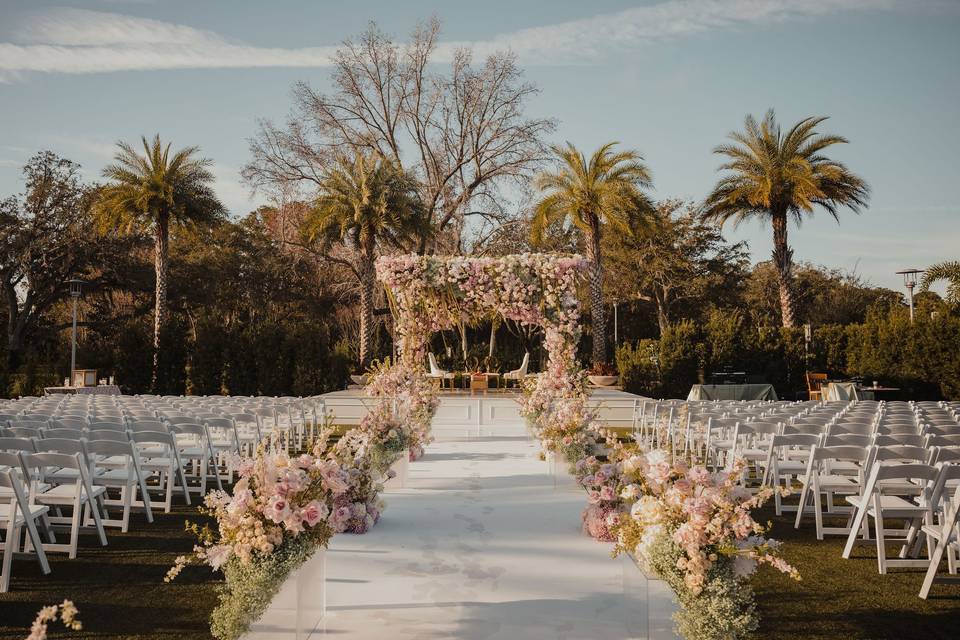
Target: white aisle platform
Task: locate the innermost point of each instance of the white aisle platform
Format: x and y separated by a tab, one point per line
479	545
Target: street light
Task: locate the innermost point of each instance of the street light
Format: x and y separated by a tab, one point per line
910	281
76	288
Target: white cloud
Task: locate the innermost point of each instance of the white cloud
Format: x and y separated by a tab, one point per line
82	41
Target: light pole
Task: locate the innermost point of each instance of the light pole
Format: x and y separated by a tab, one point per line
910	281
76	288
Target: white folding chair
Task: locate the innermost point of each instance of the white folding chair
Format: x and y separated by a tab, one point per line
80	495
875	502
16	512
116	465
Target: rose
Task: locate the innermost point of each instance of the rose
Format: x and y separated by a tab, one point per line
314	512
277	509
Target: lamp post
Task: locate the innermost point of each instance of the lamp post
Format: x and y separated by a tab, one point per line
76	288
910	281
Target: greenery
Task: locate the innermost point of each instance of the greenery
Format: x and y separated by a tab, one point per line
606	190
373	203
778	176
249	588
919	358
152	192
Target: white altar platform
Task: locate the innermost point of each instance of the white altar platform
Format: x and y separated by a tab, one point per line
481	545
466	414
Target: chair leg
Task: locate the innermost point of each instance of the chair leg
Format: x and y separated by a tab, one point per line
935	558
802	506
881	541
855	526
75	528
8	548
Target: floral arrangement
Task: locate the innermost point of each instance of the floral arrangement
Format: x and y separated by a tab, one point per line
359	507
282	509
412	400
65	611
601	480
693	528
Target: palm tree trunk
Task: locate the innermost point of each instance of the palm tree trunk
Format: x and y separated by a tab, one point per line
161	259
598	316
367	282
783	260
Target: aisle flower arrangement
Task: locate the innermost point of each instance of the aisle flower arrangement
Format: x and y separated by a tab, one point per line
412	399
358	508
282	509
693	528
602	482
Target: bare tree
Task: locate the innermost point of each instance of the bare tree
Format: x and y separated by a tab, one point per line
462	133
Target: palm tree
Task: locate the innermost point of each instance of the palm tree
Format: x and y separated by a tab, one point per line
607	190
151	192
776	177
368	201
949	271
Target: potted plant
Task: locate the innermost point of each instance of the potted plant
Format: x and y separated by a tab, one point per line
603	375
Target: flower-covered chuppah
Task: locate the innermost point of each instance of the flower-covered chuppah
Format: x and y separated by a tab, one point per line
432	293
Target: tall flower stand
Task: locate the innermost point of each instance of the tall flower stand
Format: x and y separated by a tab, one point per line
649	601
401	467
301	603
560	473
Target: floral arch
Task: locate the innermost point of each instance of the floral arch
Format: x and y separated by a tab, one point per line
431	293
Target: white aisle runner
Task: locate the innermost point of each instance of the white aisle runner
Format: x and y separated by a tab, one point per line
480	545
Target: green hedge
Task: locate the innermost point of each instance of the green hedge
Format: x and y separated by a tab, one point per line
922	358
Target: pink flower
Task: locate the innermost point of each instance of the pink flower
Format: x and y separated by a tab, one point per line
217	555
277	509
606	493
314	512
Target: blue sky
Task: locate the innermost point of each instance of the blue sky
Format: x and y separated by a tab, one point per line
669	78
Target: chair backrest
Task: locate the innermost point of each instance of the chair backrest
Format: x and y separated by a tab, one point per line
850	428
68	423
803	428
888	440
107	426
59	445
901	453
26	432
66	434
847	439
948	440
147	425
522	371
947	454
24	422
18	444
107	434
435	370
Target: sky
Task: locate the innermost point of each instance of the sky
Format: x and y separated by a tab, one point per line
669	78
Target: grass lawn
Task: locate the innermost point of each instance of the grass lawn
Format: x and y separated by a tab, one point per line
119	588
839	599
121	594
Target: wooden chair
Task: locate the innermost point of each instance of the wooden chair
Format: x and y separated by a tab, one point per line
815	385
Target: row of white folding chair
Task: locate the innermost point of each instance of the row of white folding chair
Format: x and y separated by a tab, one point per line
839	466
915	492
112	460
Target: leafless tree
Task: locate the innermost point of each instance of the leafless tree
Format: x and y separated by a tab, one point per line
462	132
